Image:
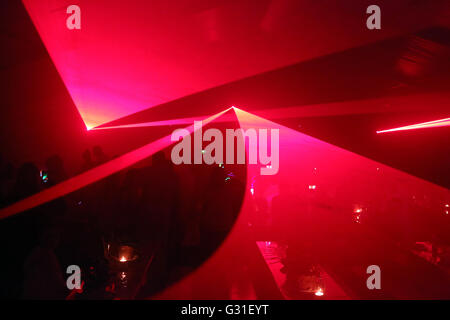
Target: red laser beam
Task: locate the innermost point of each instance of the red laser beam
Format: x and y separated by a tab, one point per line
171	122
302	157
95	174
430	124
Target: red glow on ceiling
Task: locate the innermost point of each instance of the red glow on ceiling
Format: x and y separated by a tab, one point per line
130	57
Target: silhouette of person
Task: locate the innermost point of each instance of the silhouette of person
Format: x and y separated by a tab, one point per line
99	155
7	175
217	213
43	274
159	207
88	163
56	174
18	232
55	169
27	183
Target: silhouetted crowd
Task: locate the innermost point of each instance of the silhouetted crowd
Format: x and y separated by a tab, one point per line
178	215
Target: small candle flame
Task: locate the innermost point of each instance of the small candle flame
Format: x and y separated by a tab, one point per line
123	259
319	292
